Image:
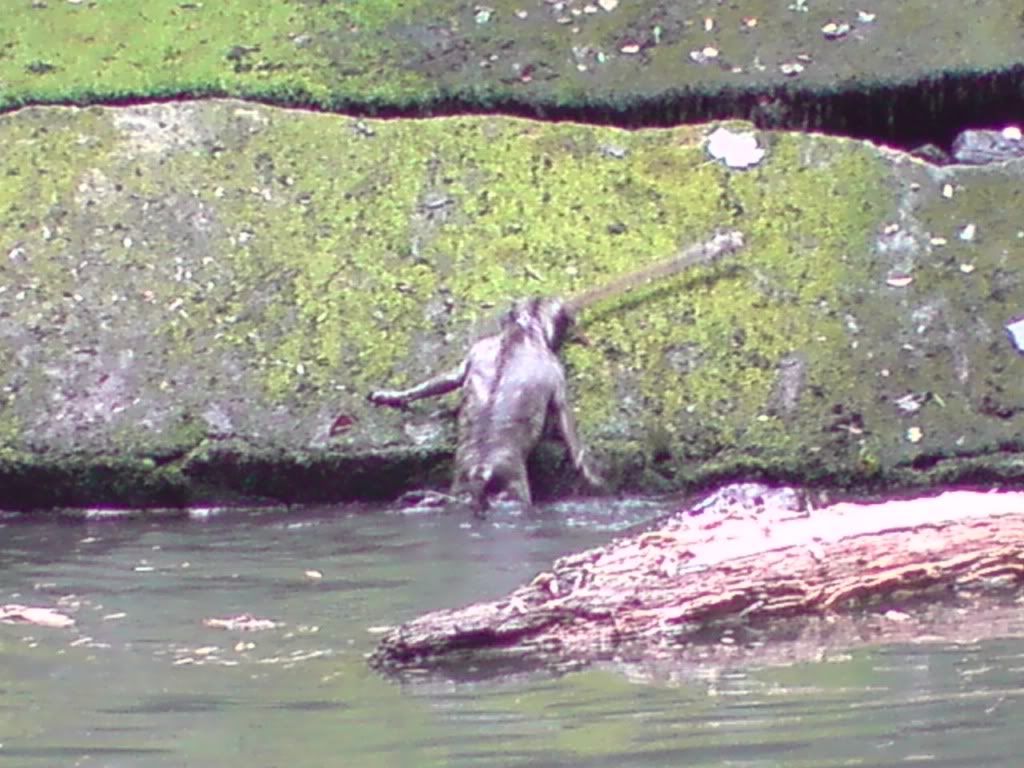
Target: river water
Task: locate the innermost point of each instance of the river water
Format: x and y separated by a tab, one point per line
141	681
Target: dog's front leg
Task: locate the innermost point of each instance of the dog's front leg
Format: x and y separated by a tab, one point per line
438	385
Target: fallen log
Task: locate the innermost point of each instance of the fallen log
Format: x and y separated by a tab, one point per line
745	554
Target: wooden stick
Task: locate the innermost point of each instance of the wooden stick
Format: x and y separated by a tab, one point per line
701	253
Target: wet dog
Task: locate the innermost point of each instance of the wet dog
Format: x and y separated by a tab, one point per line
513	384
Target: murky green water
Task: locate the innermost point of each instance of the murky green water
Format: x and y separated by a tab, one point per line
140	681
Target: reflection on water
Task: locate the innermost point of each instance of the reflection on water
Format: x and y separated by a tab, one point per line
140	681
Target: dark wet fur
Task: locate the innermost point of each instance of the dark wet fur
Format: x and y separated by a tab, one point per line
512	385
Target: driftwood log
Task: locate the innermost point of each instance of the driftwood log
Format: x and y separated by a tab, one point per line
746	554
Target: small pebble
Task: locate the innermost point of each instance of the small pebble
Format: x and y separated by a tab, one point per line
899	281
1016	331
835	30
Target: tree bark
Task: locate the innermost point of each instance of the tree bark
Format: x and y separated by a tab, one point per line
746	553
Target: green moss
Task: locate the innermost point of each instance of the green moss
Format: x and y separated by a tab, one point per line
424	208
10	429
375	54
205	274
706	347
84	52
336	265
82	481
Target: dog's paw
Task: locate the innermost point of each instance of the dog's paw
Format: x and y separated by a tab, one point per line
387	398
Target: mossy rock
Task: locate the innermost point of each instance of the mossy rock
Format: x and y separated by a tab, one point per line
899	70
200	282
